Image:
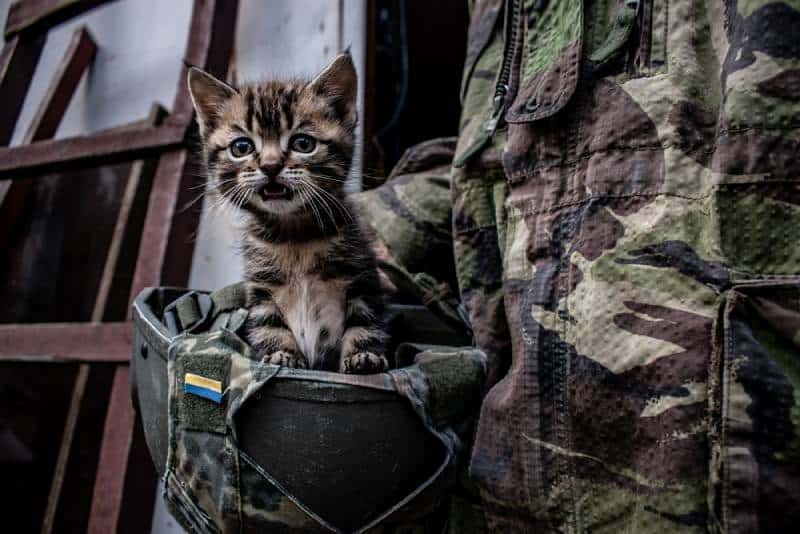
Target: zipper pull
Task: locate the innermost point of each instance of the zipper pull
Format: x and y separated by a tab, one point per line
489	127
498	108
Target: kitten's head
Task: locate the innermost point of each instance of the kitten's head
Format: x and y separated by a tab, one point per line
281	149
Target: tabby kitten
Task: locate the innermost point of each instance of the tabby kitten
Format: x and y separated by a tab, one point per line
280	151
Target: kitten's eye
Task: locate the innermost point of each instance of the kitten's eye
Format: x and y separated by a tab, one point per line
241	147
302	143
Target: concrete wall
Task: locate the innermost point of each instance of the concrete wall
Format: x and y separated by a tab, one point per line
140	48
136	64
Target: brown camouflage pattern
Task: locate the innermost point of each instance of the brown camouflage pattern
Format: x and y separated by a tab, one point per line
627	249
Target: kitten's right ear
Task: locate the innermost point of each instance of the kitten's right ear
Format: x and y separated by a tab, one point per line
208	95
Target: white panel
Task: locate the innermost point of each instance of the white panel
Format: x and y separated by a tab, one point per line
285	37
140	50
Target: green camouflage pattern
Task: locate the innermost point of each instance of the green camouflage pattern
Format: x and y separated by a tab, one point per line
211	485
627	250
411	212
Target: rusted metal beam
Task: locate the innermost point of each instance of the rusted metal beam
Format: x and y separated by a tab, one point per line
210	46
40	15
136	180
18	62
86	151
111	468
139	176
76	60
78	391
164	250
158	225
81	342
48	116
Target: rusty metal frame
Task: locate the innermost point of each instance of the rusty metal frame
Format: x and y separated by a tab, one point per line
78	56
165	249
40	15
77	342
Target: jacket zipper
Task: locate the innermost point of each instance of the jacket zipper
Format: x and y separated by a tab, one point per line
499	100
501	89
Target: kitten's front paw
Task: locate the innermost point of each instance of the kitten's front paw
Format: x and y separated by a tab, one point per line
363	363
285	359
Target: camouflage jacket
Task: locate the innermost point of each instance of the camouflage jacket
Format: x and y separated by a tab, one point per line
625	206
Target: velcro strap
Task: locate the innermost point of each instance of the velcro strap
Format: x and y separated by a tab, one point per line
189	309
229	298
187	312
456	380
194	310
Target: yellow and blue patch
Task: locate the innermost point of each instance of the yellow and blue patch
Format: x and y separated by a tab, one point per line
203	387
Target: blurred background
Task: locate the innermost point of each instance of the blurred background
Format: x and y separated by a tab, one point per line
101	195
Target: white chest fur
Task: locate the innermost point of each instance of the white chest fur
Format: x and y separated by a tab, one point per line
314	311
313	308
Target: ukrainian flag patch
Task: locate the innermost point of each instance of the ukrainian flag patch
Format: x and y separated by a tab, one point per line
203	387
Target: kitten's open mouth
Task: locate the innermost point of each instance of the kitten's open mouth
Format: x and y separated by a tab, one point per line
275	191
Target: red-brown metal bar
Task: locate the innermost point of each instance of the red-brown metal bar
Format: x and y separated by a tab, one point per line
17	63
212	29
82	342
40	15
140	175
78	391
164	244
87	151
136	180
76	60
48	116
210	46
161	211
112	464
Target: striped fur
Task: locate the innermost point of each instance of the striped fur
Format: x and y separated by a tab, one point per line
312	282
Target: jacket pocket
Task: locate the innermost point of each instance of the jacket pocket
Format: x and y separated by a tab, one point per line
755	406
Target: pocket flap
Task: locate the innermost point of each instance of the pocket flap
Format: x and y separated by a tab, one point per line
549	60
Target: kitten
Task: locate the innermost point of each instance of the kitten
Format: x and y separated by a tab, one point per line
280	151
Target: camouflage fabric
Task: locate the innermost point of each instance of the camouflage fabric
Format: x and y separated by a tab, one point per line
210	485
626	245
410	214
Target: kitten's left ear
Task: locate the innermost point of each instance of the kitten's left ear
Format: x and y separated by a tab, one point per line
339	82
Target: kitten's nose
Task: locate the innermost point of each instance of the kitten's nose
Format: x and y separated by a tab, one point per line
271	168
